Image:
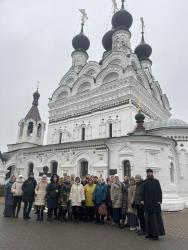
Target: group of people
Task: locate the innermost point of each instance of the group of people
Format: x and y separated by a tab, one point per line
133	203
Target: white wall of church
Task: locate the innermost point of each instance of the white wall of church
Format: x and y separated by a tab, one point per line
96	125
142	152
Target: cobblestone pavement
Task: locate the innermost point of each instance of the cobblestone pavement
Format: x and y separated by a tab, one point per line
17	234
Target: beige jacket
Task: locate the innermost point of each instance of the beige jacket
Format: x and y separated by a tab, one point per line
116	194
40	192
131	196
17	188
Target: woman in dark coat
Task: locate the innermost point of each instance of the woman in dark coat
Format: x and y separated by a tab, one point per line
52	195
138	205
9	200
152	199
125	185
28	188
64	193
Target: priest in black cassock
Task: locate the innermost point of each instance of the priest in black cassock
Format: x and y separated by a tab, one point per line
151	199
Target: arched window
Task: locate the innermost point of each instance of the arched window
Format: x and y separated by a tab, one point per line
127	168
60	137
172	172
39	130
83	133
54	166
21	129
110	130
30	169
30	129
83	168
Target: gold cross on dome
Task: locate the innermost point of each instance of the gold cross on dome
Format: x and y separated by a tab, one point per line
84	16
114	2
123	3
143	24
139	103
38	82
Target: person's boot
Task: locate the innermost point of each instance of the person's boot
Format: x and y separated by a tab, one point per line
41	215
14	213
140	232
55	215
24	215
64	216
17	213
148	236
102	220
38	214
27	216
121	224
49	218
156	237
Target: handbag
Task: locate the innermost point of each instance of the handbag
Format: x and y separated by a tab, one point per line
102	210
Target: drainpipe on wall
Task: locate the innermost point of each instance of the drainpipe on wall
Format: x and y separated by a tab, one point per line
108	159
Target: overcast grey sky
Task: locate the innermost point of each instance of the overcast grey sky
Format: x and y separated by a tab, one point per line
35	44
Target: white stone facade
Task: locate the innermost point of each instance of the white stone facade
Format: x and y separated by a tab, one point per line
91	116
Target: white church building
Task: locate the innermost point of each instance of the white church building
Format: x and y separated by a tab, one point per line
106	117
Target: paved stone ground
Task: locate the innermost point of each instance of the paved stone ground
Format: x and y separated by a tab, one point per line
17	234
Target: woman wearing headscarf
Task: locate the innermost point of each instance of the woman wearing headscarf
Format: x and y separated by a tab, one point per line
64	193
116	197
9	200
89	190
77	198
17	195
131	208
100	199
52	196
40	197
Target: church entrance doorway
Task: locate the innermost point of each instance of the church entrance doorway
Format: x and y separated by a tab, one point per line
127	168
83	168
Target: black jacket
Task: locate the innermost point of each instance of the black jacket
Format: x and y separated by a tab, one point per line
152	196
138	192
29	190
52	195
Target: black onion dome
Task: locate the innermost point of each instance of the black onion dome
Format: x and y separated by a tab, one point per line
80	42
36	97
139	117
107	40
122	19
143	50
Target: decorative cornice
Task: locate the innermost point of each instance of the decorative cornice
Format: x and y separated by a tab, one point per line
97	144
93	110
109	96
